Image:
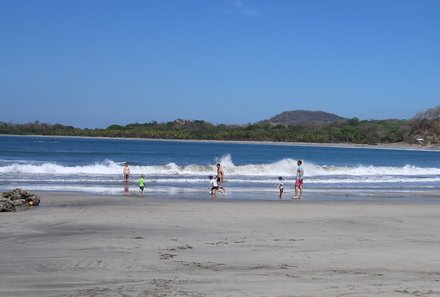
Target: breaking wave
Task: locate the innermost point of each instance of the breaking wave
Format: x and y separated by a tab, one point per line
285	167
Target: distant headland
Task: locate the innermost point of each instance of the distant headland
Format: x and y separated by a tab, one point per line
289	126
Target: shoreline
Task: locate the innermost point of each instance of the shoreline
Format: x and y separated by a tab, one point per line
389	146
391	196
83	245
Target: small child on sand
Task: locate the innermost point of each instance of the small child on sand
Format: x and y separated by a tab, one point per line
141	183
281	186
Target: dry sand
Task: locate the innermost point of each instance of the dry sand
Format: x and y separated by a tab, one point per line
91	245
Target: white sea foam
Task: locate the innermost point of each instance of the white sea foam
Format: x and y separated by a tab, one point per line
231	179
285	168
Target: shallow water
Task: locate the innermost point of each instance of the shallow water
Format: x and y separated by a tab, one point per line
180	168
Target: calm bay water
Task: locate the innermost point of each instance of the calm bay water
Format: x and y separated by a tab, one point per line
181	168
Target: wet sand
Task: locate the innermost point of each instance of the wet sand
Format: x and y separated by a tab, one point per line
97	245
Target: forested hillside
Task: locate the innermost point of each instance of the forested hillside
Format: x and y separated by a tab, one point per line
303	117
424	125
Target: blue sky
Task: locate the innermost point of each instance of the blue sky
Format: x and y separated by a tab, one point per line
95	63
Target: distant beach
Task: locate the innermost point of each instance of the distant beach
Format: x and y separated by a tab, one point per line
400	145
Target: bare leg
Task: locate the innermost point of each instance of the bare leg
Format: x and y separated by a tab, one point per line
213	192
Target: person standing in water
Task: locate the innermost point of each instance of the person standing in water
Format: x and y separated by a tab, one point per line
213	187
299	180
126	173
281	186
220	177
141	183
220	173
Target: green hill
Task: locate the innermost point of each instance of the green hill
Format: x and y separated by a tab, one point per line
304	118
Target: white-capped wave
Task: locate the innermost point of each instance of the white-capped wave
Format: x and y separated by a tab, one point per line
107	167
285	168
361	170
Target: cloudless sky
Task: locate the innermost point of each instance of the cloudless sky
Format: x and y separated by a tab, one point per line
92	63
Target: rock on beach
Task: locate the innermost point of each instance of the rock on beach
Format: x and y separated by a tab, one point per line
17	198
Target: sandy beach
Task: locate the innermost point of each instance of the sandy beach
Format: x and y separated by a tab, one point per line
394	146
96	245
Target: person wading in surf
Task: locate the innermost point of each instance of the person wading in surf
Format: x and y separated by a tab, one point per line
126	173
299	180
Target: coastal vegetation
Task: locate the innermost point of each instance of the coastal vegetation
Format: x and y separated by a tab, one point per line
424	125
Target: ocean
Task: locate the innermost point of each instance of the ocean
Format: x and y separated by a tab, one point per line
181	168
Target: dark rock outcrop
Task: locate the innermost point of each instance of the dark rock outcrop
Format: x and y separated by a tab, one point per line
16	198
6	205
33	200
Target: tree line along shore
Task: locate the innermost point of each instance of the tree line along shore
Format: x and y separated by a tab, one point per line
424	128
